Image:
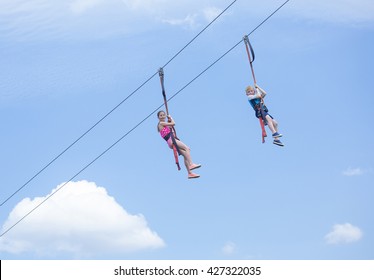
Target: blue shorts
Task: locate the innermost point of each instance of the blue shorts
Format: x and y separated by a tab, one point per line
264	111
263	115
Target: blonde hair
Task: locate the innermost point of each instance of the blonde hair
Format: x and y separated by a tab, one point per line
248	88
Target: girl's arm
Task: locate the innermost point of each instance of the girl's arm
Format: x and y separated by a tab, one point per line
169	123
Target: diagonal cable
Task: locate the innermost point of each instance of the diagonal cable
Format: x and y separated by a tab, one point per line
136	126
112	110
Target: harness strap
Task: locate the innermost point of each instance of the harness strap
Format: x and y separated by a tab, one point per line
175	147
175	152
251	58
173	133
263	122
173	140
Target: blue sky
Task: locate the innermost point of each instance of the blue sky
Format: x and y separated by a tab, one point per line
66	64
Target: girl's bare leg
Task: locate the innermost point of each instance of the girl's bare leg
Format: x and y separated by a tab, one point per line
185	151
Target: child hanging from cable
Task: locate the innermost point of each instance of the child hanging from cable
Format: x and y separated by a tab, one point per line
255	98
164	128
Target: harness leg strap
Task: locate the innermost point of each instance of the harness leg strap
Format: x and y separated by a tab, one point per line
263	122
176	157
175	143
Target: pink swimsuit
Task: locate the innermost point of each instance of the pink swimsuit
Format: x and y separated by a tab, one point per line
164	132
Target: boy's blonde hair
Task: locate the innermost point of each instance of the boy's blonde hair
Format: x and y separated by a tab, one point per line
248	88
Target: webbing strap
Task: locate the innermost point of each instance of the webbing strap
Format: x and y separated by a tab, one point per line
175	148
251	55
262	123
251	58
173	133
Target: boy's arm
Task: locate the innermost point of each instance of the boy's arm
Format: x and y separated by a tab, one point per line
260	91
255	96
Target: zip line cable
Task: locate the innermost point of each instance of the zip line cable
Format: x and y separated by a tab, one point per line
266	19
199	33
115	108
79	172
76	141
137	125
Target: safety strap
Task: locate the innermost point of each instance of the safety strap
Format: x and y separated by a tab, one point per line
251	58
262	122
173	133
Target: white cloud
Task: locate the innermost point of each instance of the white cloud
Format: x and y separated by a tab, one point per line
189	20
353	172
62	19
332	10
229	248
211	13
344	233
193	20
72	19
79	221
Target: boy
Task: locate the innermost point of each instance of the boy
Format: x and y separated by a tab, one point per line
255	98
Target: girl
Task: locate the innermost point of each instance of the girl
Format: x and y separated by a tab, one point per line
164	128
